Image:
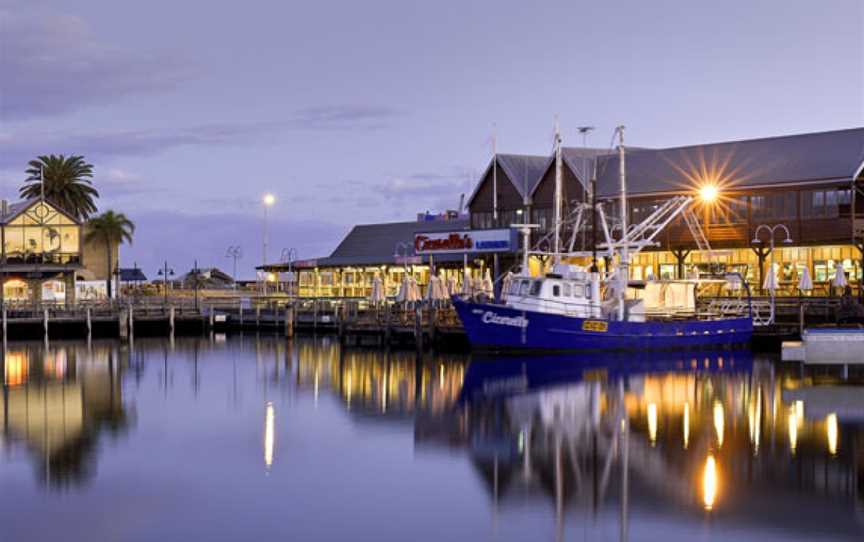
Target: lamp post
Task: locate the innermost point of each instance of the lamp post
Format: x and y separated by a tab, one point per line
771	230
289	256
164	273
268	200
235	252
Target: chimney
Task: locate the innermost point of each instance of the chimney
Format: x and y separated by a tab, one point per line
4	207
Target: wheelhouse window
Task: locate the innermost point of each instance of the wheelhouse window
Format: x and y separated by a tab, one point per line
535	287
524	287
556	290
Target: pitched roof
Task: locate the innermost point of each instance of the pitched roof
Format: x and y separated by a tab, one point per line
523	170
822	156
375	244
13	210
132	274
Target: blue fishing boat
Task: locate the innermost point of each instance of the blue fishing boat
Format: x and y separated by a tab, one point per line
571	325
571	308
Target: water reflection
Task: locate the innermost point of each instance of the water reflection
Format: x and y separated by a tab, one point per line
58	402
600	441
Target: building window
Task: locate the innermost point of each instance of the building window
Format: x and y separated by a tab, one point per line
771	206
824	203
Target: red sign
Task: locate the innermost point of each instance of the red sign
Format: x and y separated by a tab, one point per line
454	241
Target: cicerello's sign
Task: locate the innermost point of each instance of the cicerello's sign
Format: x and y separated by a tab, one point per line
458	242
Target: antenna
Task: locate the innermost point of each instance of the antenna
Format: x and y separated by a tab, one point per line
585	130
461	202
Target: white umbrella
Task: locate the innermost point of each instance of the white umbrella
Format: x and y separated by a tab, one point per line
452	286
840	278
377	294
805	283
467	284
488	287
404	290
414	290
435	291
770	282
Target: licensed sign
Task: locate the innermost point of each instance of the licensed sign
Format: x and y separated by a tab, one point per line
458	242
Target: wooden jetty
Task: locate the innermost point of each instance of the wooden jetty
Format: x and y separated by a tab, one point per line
355	321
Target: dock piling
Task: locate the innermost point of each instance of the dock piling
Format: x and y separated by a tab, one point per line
45	321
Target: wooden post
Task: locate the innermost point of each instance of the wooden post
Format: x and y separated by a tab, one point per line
433	322
4	323
212	317
289	321
89	321
257	316
801	317
418	328
45	321
171	319
123	323
315	315
131	321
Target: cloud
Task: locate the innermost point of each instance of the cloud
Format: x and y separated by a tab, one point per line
52	64
19	147
341	117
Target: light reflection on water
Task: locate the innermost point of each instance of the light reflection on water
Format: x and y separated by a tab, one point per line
164	440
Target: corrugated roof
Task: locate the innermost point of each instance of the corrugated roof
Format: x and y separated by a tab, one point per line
375	244
524	170
802	158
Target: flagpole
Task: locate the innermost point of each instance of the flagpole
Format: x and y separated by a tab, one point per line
42	182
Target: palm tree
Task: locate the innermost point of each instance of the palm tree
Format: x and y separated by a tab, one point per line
110	228
67	183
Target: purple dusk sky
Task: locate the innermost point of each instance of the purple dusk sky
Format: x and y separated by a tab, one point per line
353	112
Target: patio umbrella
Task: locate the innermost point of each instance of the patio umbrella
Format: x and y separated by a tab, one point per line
840	278
770	283
404	290
413	290
452	286
467	284
805	283
377	294
435	289
487	285
649	275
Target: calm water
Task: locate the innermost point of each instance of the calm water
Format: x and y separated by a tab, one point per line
215	439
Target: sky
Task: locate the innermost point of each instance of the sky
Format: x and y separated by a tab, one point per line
358	112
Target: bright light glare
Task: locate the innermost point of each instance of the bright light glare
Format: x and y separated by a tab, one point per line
709	483
269	199
719	422
831	429
708	193
269	434
652	422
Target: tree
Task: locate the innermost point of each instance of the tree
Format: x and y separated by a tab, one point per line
110	228
67	183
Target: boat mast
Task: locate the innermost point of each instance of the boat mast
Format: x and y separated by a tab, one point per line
558	195
624	263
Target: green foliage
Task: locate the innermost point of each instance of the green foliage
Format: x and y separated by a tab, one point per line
68	183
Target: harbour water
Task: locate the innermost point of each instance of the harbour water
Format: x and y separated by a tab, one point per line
255	437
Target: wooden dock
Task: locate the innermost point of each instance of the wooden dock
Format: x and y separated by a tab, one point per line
355	321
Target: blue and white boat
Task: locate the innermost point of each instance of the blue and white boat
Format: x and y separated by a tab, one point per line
556	313
573	309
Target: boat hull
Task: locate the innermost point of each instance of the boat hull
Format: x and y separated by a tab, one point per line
492	327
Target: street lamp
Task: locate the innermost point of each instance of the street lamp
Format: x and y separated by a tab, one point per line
268	200
235	252
756	241
165	272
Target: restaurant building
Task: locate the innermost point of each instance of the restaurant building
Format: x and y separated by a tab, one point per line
44	255
808	183
440	244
